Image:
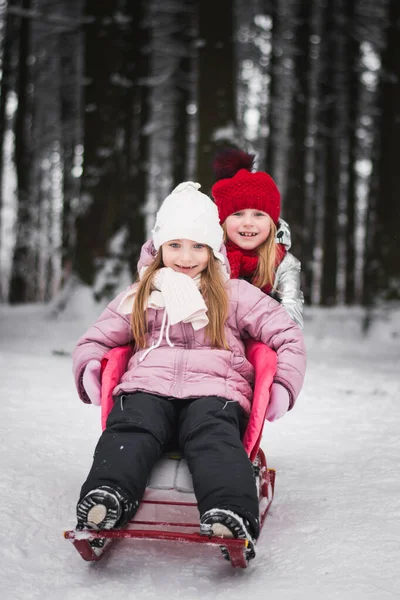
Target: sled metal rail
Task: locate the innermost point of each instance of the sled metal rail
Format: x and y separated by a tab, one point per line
235	547
155	529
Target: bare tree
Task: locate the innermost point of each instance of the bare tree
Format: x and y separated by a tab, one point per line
216	84
7	50
23	281
137	142
167	53
70	52
369	30
185	37
107	42
341	138
283	69
295	195
338	166
353	91
253	27
387	207
314	164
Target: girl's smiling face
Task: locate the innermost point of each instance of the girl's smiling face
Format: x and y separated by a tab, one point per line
185	256
248	228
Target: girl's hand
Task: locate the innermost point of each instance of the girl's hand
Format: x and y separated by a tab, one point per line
91	381
278	403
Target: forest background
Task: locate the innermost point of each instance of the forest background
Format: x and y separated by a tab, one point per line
106	105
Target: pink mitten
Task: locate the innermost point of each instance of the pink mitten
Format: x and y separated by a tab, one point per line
279	402
91	381
147	255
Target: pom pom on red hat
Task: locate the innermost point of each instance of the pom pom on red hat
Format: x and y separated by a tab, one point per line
237	188
228	161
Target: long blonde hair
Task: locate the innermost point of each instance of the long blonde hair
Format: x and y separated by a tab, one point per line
212	287
266	266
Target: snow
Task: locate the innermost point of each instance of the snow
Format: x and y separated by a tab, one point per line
333	531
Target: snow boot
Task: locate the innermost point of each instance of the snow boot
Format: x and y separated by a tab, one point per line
102	508
220	522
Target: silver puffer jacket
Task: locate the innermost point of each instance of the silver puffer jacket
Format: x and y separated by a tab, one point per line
287	279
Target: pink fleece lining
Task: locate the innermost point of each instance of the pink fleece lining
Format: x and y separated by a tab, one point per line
113	365
264	361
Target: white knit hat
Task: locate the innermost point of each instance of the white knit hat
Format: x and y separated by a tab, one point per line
189	214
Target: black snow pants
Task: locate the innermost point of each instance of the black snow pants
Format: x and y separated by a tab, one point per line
208	431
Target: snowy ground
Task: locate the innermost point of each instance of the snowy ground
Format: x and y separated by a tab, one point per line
333	531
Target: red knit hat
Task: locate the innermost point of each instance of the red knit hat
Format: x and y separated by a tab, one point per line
237	188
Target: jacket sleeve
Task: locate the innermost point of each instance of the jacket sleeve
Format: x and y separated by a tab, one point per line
288	288
110	330
260	317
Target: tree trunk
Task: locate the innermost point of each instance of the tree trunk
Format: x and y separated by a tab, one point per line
253	25
370	32
164	63
341	139
191	116
185	42
137	115
71	103
295	200
329	267
216	85
388	206
104	137
354	92
314	171
282	92
23	284
7	84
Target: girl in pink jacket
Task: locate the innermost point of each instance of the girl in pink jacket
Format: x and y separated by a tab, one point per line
188	379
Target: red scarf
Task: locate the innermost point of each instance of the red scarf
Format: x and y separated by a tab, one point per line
243	263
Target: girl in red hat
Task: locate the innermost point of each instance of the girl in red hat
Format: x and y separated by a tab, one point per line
257	241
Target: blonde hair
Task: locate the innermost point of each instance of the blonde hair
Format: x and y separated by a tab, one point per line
266	266
212	287
265	271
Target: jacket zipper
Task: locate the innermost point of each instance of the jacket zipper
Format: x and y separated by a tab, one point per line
182	358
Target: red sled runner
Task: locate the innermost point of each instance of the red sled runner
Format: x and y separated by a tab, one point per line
168	510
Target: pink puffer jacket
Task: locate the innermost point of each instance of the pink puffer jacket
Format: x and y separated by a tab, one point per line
263	359
192	368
